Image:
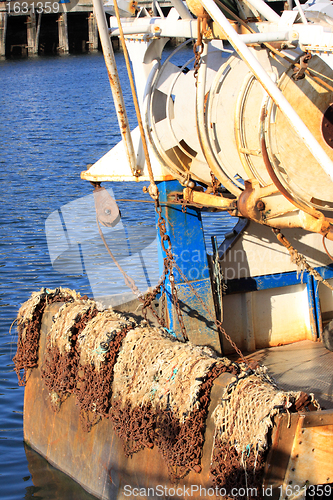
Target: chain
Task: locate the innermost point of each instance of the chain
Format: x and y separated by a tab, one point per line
163	302
299	73
147	300
299	259
198	46
197	49
217	322
184	204
215	184
169	262
231	342
151	296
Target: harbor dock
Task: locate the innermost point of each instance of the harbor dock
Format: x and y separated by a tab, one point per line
31	28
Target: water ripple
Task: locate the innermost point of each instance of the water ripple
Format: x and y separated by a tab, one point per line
57	117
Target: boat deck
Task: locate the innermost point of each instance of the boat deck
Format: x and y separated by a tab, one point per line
304	365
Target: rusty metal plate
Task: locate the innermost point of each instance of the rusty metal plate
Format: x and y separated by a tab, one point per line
318	418
310	460
279	454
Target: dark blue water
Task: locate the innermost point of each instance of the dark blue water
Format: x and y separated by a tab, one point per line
56	117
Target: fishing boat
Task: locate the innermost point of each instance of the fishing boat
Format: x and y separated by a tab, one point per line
164	394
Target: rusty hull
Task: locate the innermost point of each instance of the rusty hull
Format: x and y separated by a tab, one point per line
96	460
300	453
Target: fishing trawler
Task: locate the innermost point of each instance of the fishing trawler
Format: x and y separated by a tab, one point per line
159	407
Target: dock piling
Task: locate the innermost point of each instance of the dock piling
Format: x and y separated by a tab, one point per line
32	34
63	47
93	33
3	29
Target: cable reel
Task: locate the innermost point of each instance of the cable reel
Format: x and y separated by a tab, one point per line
171	120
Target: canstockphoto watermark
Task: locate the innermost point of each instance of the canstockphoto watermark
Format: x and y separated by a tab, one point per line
193	490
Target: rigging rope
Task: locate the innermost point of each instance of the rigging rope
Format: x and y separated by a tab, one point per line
324	244
154	193
153	190
128	280
310	72
299	259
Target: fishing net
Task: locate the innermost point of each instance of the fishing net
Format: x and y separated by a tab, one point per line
28	324
60	366
161	393
155	389
243	420
98	346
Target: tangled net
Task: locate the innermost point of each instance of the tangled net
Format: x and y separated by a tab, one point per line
161	396
243	420
98	346
29	320
155	389
60	366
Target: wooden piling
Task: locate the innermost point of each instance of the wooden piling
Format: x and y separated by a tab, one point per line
93	33
63	46
33	33
3	29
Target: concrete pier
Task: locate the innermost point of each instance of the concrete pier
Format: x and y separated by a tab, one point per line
93	33
33	33
28	29
3	29
63	47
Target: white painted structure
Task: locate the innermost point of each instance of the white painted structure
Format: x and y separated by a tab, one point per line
261	133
